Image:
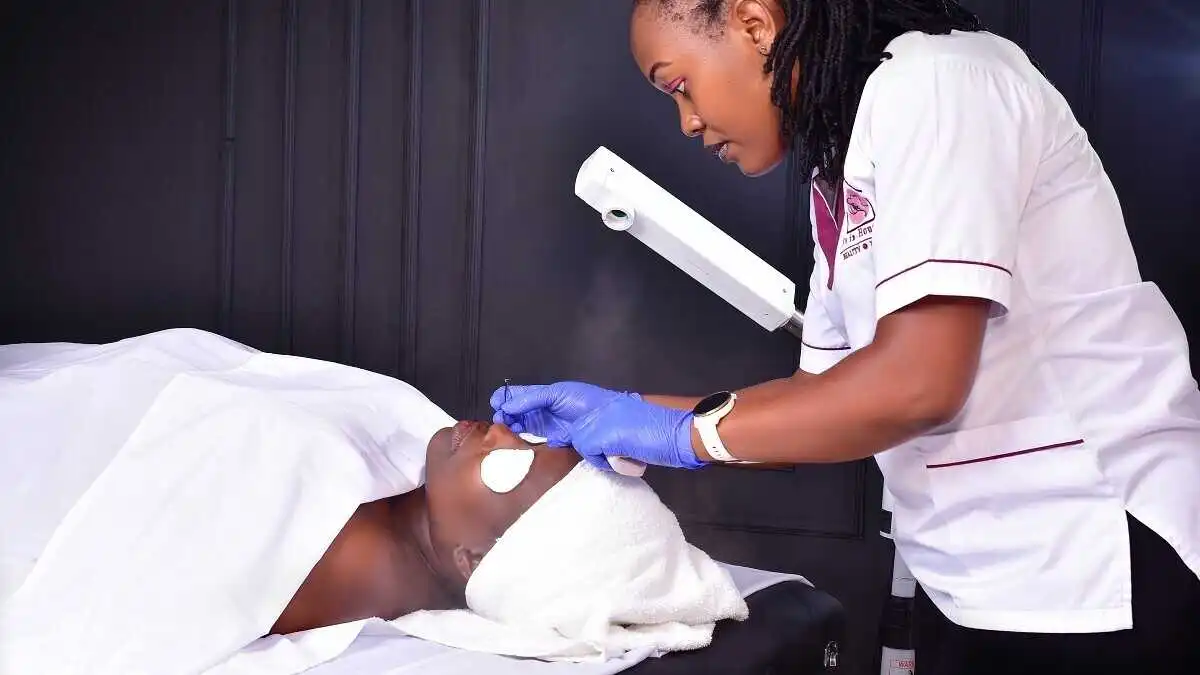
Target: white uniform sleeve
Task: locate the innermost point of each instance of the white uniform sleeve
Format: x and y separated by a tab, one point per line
955	146
823	345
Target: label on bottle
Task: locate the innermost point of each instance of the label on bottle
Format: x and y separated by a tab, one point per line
898	662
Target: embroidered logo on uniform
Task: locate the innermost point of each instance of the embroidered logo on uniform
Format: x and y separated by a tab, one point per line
859	210
860	213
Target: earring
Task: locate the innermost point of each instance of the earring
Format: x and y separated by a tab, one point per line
764	50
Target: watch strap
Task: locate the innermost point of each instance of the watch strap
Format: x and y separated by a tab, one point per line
712	441
710	438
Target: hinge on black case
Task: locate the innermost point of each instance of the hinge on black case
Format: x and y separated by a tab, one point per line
831	656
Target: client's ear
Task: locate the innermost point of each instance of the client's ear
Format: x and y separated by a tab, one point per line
466	559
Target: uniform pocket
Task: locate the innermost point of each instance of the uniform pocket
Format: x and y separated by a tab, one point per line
1004	441
1016	505
998	468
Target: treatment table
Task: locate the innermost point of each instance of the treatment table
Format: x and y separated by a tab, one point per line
793	629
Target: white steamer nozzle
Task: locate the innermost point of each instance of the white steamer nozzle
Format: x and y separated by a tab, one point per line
630	202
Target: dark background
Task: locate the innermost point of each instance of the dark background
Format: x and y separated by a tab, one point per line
389	183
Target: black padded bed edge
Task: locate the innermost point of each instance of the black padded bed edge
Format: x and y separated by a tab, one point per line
793	628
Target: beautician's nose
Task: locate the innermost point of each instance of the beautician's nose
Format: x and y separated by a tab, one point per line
689	122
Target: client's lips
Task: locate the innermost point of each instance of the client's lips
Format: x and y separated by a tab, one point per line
462	430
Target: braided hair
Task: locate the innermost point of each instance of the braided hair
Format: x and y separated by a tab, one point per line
836	44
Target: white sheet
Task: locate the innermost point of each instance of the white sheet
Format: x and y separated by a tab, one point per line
63	421
379	648
200	537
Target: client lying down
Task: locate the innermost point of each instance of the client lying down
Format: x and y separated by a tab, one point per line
417	550
527	536
169	499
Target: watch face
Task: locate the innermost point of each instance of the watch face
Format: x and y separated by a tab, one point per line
711	404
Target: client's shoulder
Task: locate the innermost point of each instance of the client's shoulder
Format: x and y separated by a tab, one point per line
372	569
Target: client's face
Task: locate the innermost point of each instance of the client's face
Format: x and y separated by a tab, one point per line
465	516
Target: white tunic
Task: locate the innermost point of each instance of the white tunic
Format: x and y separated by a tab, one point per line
968	175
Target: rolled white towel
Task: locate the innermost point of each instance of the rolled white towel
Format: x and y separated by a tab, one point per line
597	567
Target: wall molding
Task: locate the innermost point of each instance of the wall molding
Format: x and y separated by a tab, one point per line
1016	19
291	29
469	382
860	504
406	359
1090	61
799	234
353	137
228	164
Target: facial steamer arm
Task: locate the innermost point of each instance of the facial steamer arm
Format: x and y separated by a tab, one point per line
630	202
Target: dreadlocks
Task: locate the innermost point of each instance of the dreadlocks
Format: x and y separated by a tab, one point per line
836	44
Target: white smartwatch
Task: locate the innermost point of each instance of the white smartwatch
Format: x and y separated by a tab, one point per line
707	414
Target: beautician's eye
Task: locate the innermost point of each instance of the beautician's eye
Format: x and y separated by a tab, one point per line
676	86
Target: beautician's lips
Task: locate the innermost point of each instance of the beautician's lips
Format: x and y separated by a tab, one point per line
720	150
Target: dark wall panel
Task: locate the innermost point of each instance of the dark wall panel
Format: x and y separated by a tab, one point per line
112	147
1145	117
448	109
321	229
264	108
383	295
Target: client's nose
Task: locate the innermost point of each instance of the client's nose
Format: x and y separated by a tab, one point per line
500	436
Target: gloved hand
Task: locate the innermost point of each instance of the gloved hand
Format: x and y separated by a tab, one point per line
628	426
548	410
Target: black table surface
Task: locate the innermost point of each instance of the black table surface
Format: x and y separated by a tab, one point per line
793	628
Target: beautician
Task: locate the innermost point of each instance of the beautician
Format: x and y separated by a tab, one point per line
975	321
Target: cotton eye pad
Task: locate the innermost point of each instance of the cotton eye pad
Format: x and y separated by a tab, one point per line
530	438
504	469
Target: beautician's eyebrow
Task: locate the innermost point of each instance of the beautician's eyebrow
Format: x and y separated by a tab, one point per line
654	69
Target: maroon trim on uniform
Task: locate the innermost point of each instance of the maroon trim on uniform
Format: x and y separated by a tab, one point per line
947	261
829	225
1005	455
825	349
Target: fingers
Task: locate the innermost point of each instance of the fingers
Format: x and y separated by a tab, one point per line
600	462
497	399
526	398
504	396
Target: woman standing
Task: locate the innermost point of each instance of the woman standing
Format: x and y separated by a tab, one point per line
976	321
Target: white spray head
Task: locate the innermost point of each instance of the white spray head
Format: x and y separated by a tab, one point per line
630	202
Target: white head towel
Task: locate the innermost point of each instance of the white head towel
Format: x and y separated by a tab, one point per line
596	568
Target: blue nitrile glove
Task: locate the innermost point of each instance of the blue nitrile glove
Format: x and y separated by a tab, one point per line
547	410
628	426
